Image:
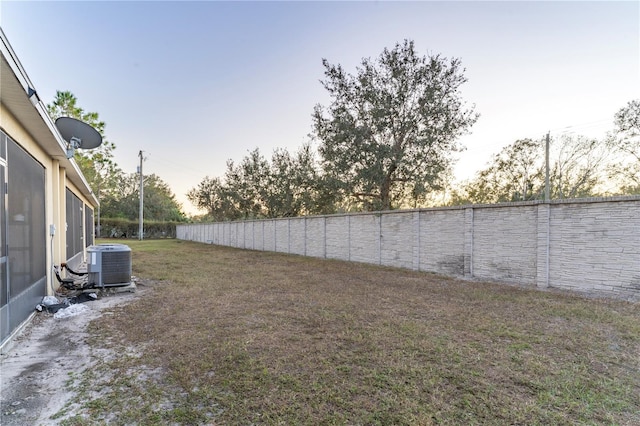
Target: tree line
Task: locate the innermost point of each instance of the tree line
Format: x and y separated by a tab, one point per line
578	166
117	192
386	140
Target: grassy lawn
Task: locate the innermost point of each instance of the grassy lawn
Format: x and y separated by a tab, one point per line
226	336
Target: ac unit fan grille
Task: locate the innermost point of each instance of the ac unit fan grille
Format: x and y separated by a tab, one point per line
116	267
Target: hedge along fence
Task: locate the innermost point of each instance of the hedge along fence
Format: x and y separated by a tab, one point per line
587	245
124	228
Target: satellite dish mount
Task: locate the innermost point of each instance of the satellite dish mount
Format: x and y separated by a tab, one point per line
78	134
74	143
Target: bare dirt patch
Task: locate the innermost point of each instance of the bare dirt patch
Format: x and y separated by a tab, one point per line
36	369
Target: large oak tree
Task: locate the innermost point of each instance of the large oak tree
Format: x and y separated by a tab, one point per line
391	128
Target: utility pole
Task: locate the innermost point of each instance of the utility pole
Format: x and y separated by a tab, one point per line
141	216
546	174
99	230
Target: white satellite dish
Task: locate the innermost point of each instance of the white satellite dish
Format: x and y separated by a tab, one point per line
78	134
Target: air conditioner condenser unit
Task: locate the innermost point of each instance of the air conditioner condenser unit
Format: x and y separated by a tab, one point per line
108	265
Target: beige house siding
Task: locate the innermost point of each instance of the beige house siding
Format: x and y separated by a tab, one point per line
56	183
25	121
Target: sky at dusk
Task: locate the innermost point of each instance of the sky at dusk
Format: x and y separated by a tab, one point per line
193	84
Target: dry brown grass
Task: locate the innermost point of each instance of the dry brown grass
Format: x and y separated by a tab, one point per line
228	336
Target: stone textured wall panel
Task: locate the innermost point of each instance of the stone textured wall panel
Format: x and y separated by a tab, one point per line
269	234
315	244
397	239
365	238
337	237
442	241
282	235
505	244
596	247
297	235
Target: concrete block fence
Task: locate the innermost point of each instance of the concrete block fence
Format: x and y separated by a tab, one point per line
587	245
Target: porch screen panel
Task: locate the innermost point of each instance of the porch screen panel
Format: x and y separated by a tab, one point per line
88	225
74	224
26	235
4	297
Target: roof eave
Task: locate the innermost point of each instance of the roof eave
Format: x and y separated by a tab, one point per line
21	99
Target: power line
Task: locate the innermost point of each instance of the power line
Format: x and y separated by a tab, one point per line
558	130
180	167
141	213
581	126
